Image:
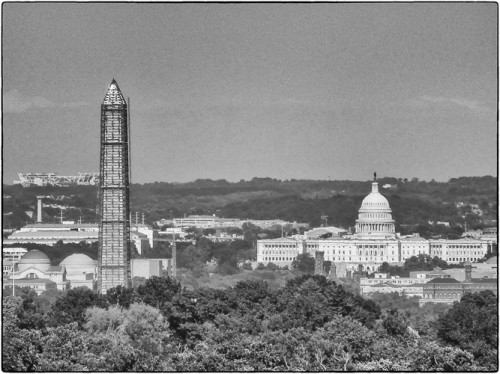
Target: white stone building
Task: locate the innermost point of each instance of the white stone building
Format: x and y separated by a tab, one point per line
373	243
81	270
35	271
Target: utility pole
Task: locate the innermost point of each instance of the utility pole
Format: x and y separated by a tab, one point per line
13	286
174	257
325	218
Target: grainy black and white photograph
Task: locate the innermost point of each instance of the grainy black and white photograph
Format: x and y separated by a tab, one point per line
288	186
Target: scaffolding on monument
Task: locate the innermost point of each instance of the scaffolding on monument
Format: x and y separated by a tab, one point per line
114	188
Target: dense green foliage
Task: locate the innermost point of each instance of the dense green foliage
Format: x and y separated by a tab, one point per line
414	203
421	262
472	325
310	324
304	262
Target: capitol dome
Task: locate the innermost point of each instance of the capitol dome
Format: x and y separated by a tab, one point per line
375	216
34	259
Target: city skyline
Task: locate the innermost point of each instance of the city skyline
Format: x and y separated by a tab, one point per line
236	91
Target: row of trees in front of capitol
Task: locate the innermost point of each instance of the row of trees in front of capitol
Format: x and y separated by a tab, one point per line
310	324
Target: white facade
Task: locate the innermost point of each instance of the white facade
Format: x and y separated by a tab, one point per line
280	251
146	268
375	217
14	253
373	243
81	270
34	270
205	222
461	250
147	230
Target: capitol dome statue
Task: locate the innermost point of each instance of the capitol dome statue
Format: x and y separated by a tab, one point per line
375	217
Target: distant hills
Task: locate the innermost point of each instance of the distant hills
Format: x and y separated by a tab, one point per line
413	202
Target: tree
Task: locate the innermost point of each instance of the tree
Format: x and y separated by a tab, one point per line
396	324
63	349
472	325
103	320
432	357
121	295
159	292
146	327
419	262
192	258
71	306
304	262
20	347
272	266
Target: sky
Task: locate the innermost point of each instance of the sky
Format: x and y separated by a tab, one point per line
235	91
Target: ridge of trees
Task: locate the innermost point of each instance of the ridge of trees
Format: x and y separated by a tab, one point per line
414	202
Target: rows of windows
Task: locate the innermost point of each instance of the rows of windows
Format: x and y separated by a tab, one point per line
280	246
276	252
443	295
464	259
278	258
464	246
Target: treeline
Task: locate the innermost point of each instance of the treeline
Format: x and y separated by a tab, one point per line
311	324
413	201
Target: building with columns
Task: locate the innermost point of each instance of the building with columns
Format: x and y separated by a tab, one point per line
375	217
373	243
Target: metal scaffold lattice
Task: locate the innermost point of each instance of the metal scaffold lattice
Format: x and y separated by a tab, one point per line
114	225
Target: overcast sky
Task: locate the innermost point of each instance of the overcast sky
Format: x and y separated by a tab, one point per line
236	91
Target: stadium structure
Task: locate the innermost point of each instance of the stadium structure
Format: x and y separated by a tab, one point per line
55	179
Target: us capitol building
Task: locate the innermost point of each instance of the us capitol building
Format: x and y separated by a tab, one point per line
374	242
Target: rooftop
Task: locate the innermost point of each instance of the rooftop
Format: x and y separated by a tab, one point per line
443	280
77	259
59	225
34	254
484	280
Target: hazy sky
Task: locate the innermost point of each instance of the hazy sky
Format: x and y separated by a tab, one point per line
236	91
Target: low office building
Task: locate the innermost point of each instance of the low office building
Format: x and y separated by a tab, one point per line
205	222
13	253
223	237
386	286
140	241
51	233
10	256
449	290
149	267
411	286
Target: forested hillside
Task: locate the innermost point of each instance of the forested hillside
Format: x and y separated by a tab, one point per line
413	202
